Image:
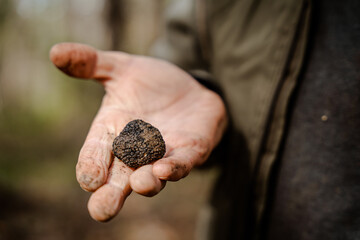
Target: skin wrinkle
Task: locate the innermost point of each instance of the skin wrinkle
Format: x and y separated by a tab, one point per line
114	97
116	72
95	153
130	81
114	128
102	155
106	71
176	169
122	187
91	171
191	131
125	63
103	141
148	184
199	147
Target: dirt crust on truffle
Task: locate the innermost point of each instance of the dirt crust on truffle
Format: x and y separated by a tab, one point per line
139	143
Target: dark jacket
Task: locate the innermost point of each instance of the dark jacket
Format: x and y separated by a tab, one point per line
254	52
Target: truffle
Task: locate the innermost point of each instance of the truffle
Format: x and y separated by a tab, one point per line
139	143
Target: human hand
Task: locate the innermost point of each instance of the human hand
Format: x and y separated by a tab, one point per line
190	117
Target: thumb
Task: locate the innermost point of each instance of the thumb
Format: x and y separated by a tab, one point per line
82	61
76	60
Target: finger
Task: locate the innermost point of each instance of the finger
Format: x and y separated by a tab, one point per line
176	165
95	158
96	154
74	59
144	182
83	61
107	201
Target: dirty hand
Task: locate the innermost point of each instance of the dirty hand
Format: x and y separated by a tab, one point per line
191	119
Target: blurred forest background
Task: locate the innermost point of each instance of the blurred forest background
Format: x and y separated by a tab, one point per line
44	118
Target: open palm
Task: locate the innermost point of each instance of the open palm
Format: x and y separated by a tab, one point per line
190	117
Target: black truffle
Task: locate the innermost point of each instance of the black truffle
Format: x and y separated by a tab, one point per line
139	143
